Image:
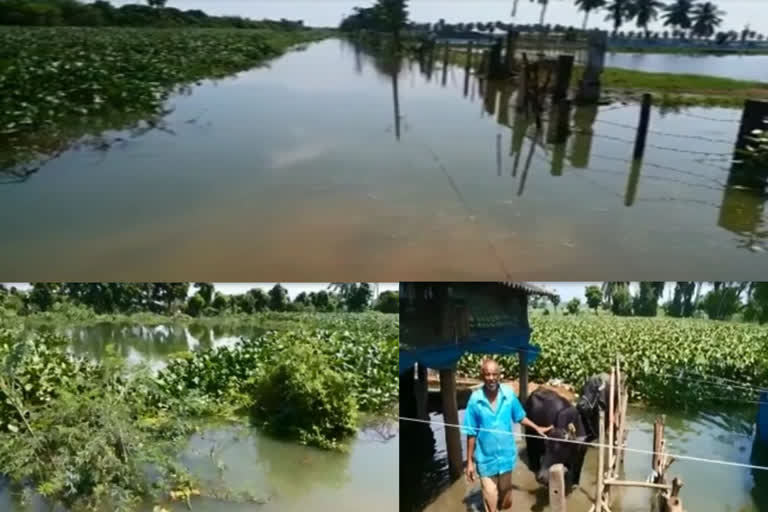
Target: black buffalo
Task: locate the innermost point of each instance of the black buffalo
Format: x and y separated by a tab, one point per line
545	407
578	423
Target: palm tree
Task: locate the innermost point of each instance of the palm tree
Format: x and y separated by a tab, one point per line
619	11
678	14
706	17
587	6
645	12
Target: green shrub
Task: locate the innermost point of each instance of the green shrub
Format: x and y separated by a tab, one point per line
302	397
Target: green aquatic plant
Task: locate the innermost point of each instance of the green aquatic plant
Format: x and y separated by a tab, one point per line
62	83
666	360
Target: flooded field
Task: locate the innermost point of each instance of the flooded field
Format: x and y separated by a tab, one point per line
151	345
332	162
738	67
237	460
707	487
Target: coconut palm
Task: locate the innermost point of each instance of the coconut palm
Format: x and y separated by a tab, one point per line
678	14
587	6
544	4
706	18
645	12
619	11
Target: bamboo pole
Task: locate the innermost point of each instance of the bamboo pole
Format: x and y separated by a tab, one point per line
600	463
632	483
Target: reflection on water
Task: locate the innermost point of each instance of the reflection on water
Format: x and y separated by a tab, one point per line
726	435
149	344
396	172
274	475
738	67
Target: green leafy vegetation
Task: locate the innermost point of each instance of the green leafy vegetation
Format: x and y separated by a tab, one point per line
104	436
59	84
664	358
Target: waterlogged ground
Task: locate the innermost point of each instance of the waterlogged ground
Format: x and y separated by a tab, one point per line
278	476
237	462
297	171
738	67
707	487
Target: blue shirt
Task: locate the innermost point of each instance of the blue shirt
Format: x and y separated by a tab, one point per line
495	452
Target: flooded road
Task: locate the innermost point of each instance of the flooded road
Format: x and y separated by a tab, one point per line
707	487
300	170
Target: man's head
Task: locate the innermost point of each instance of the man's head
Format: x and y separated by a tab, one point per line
490	374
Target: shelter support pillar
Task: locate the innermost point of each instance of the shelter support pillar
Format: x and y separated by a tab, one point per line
422	393
523	391
451	417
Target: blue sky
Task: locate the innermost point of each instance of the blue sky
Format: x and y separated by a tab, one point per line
330	12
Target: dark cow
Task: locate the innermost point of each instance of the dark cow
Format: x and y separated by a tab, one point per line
579	423
545	407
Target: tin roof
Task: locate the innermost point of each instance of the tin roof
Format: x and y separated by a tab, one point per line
529	288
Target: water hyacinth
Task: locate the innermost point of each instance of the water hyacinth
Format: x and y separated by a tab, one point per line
59	83
666	360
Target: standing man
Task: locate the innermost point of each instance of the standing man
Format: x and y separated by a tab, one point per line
492	453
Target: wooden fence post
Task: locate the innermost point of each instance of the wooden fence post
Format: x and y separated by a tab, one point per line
642	127
446	51
562	78
589	85
557	488
512	36
468	64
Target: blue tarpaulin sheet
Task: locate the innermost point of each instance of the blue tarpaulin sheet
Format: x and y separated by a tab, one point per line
445	356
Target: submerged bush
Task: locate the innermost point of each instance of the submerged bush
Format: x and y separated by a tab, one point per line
302	397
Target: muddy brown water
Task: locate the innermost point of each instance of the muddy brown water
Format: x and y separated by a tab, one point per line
724	435
302	169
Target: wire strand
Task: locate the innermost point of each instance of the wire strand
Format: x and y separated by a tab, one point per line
594	445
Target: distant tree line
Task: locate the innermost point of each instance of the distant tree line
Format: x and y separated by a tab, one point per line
171	298
685	20
102	13
723	302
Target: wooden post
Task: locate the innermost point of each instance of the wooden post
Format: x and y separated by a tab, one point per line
583	118
446	51
522	87
557	488
468	64
589	85
495	69
762	418
752	117
523	373
512	36
451	417
642	127
632	181
498	154
562	78
422	393
600	464
611	422
559	122
558	159
658	444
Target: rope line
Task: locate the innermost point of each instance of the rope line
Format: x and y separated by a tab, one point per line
715	119
595	445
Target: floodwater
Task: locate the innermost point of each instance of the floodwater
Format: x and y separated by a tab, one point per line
707	487
331	163
238	460
270	476
150	345
739	67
